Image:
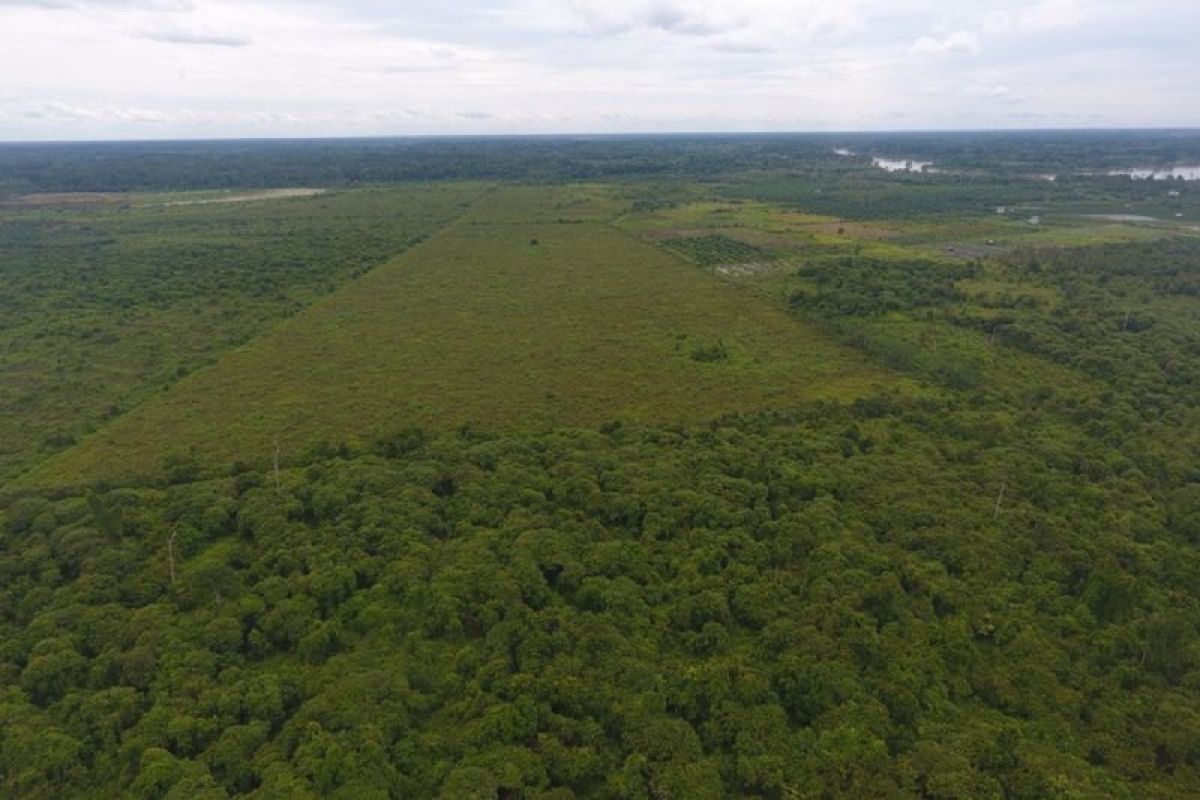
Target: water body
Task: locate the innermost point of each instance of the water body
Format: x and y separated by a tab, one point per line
843	151
1186	173
897	165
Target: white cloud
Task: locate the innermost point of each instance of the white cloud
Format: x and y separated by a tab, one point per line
731	25
181	34
1038	17
50	111
958	42
690	20
100	5
989	91
110	68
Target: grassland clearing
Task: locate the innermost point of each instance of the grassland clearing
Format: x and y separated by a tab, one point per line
723	214
786	233
541	305
563	204
103	306
490	323
43	199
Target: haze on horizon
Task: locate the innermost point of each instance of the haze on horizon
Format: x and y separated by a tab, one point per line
150	69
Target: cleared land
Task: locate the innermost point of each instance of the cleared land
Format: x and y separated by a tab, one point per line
246	197
601	319
102	306
796	234
494	321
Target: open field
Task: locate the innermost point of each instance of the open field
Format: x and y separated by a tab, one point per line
752	245
567	204
482	325
36	199
102	306
796	235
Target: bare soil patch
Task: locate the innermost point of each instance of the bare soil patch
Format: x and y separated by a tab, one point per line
246	197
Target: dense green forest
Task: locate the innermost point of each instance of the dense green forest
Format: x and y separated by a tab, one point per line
775	477
125	166
831	602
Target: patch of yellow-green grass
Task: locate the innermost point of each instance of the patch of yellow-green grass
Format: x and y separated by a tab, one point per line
903	252
780	220
944	238
1054	229
784	231
979	237
722	214
778	243
569	203
1064	233
698	214
480	325
107	303
948	229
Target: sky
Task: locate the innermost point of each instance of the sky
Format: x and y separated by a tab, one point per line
151	69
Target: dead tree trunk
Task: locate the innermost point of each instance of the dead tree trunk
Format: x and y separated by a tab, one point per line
278	486
171	553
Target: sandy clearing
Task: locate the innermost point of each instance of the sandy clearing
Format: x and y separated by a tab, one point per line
62	198
266	194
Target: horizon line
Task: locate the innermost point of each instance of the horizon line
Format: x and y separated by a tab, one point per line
605	135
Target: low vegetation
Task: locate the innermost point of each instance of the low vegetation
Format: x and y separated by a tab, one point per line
714	249
105	303
477	325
